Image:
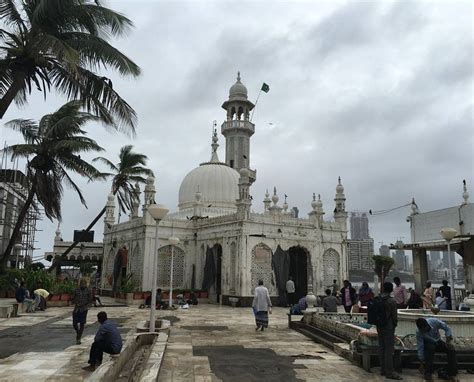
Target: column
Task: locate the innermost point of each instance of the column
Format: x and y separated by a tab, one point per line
420	268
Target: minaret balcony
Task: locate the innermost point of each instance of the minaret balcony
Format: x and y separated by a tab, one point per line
228	126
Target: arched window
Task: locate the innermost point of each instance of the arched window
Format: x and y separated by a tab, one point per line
164	267
261	261
331	264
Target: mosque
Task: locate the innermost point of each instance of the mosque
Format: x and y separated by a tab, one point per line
224	247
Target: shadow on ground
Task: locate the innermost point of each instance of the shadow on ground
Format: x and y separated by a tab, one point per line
236	363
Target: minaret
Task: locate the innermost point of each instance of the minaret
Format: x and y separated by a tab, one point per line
135	201
244	202
197	204
317	214
275	209
266	203
340	214
149	193
237	128
109	219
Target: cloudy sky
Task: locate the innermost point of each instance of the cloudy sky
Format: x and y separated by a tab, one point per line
377	92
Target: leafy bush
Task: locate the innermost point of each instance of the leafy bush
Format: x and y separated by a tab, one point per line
128	286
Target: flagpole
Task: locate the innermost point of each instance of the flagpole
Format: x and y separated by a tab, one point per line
256	101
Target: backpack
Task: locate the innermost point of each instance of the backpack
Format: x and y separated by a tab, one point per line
376	312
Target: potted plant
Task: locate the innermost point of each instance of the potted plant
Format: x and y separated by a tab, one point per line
203	294
127	288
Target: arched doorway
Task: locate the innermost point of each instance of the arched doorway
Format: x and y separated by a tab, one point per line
212	280
298	269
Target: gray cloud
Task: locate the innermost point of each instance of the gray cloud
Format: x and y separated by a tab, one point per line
379	93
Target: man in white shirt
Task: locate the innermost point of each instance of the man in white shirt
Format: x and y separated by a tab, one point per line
290	291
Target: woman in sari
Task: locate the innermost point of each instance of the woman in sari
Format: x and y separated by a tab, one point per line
261	306
428	296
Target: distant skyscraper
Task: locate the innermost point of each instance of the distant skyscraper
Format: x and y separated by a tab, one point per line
359	226
435	259
384	250
400	258
360	252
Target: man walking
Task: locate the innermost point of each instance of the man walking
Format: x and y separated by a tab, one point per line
400	293
429	342
386	325
82	298
261	305
290	291
106	340
348	296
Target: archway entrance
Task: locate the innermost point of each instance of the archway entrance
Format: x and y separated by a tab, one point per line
299	270
212	280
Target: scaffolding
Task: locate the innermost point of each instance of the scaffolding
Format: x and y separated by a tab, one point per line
13	194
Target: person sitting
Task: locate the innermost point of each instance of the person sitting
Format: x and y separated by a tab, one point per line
22	296
330	302
414	301
429	342
192	300
159	303
40	298
365	294
96	298
298	308
441	301
107	340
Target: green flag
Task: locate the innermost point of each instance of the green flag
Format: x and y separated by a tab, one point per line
265	88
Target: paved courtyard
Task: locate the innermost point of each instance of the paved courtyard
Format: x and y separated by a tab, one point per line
207	343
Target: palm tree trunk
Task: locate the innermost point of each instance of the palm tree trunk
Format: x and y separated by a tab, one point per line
11	93
18	225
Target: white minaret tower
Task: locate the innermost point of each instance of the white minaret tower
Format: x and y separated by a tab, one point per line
340	214
237	129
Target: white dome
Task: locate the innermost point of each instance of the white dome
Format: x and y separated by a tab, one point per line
238	90
217	182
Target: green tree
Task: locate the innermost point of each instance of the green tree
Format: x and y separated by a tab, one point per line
63	44
129	170
382	265
52	148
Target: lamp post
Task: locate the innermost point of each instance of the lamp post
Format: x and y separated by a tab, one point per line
448	234
157	212
17	248
173	241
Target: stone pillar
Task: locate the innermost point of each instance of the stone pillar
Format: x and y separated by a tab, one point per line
468	261
420	268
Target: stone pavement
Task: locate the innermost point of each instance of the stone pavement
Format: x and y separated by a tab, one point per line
214	343
41	346
207	343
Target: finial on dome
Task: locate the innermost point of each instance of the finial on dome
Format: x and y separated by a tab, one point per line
465	194
339	179
238	76
214	145
314	197
275	197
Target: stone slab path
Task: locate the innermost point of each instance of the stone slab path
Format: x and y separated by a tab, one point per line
212	343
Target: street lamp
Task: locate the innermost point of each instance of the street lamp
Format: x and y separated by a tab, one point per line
448	234
157	212
173	241
17	248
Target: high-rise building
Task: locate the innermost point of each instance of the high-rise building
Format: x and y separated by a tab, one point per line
446	261
13	194
399	257
360	252
384	250
359	226
435	259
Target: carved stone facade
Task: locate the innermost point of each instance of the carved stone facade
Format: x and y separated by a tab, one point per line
224	246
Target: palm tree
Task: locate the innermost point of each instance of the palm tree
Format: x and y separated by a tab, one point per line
52	148
62	44
130	169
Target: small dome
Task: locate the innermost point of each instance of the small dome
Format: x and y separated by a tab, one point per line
216	182
339	187
238	90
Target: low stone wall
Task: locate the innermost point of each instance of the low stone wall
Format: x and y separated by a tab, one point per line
339	324
461	323
110	370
